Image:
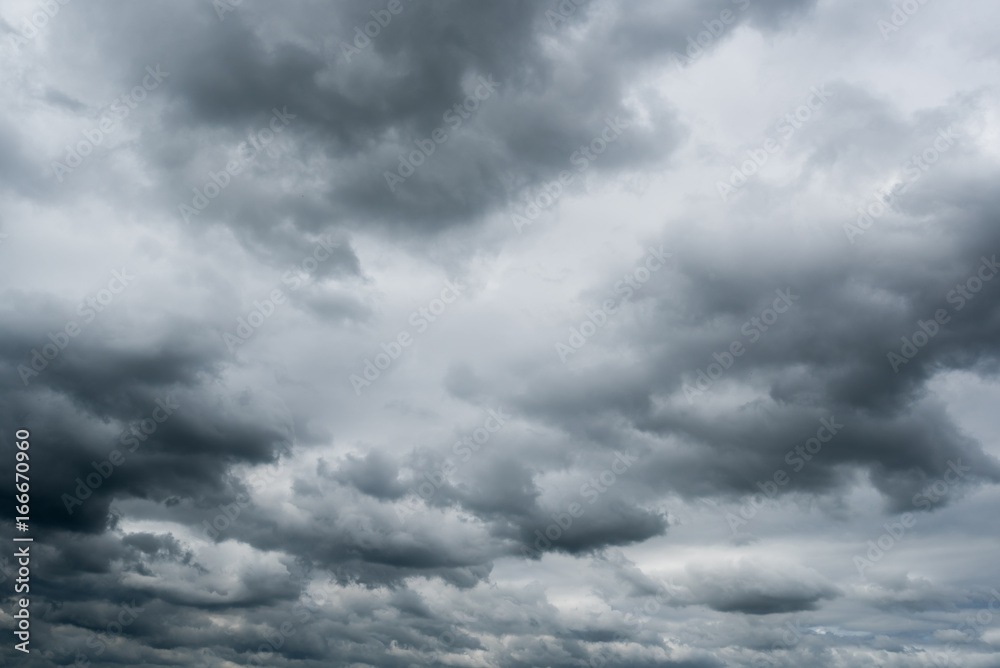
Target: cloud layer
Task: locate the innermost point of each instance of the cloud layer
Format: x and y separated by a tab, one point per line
579	333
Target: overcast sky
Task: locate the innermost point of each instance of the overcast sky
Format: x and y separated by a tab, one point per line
400	333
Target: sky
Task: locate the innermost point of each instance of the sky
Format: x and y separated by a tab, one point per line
399	333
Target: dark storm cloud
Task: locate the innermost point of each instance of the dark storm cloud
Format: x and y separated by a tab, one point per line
375	475
813	362
755	590
610	524
94	399
354	117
